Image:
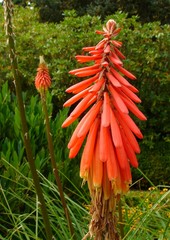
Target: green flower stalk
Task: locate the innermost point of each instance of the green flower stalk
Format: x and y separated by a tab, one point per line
42	83
8	9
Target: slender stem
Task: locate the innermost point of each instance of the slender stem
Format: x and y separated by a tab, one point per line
10	41
151	183
54	165
121	219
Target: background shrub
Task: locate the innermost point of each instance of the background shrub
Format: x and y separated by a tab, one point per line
147	10
11	144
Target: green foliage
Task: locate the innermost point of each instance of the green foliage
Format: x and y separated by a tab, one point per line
102	8
11	144
145	214
147	10
58	43
21	215
50	10
20	2
155	164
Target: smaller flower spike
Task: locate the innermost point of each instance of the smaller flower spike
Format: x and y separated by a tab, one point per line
42	79
110	133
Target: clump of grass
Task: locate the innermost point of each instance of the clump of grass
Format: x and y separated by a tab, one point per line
21	216
145	213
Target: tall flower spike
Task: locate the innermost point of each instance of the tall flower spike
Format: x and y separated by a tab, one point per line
110	133
42	79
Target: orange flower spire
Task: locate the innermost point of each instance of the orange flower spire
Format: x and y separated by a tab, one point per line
107	97
42	79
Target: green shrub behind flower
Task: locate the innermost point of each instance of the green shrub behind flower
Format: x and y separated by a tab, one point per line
11	145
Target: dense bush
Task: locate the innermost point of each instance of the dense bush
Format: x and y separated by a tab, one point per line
58	43
155	164
147	10
11	144
146	47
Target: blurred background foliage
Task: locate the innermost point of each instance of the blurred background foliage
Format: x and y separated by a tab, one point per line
145	44
147	10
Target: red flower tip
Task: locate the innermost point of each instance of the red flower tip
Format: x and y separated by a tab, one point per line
42	79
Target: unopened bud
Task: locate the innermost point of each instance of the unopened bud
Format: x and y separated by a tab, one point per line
42	79
111	25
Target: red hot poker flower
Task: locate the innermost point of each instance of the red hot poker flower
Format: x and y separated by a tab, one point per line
111	146
42	79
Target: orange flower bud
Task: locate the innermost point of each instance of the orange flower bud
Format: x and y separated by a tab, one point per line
42	79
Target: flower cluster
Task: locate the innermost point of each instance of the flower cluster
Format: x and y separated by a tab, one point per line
107	97
42	79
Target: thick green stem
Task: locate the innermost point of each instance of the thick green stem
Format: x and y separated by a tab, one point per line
54	165
10	41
